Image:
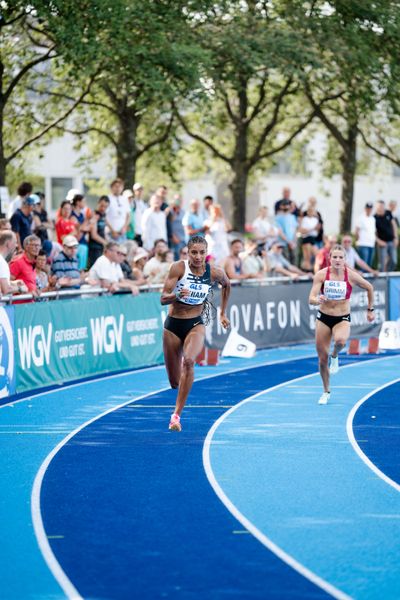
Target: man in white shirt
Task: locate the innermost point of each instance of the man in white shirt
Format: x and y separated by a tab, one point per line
107	271
366	234
154	223
118	213
8	244
140	207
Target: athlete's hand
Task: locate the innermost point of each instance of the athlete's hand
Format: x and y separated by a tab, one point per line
183	293
370	316
225	322
322	299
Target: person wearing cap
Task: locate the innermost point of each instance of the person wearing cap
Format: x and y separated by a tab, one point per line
279	265
72	193
65	265
24	190
366	234
139	208
22	219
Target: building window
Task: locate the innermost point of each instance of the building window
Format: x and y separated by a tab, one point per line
59	189
396	171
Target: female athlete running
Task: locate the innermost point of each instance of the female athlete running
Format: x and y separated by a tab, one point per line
331	291
186	289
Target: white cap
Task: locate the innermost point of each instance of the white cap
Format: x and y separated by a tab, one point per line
127	193
137	186
72	193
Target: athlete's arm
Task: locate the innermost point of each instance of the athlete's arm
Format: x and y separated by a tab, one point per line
175	272
316	297
219	275
357	279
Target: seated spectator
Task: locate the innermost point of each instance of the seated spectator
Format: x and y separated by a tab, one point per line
322	259
264	232
65	225
139	261
234	265
8	245
22	267
279	265
65	266
44	282
157	267
125	264
107	271
353	259
253	261
21	221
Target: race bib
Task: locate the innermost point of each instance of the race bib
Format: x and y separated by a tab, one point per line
335	290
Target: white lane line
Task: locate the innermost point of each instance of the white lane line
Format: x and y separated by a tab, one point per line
267	542
53	564
353	441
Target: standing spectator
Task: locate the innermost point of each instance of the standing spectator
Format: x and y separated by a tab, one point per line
287	223
386	238
312	201
156	269
97	230
208	201
41	223
107	271
193	221
162	193
285	200
139	207
309	225
22	219
154	223
352	257
176	231
119	212
130	196
65	266
264	232
322	259
65	225
217	234
81	214
366	234
8	245
23	266
24	190
393	210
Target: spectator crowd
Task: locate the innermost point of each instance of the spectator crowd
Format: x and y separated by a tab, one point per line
127	242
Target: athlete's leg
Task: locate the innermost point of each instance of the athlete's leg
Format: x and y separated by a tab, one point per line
341	333
191	349
173	349
323	336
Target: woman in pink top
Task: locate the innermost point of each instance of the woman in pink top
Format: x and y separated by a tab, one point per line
331	291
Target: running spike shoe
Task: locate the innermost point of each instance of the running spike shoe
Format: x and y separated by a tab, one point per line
175	423
324	399
334	365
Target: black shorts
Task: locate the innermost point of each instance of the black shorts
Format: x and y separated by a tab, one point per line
181	327
330	320
309	239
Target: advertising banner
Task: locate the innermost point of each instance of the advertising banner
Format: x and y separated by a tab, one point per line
280	314
76	338
394	298
7	352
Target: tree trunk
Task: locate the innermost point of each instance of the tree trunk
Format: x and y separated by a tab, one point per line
238	187
349	164
127	148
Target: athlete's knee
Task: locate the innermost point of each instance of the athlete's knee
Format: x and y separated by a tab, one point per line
188	363
340	340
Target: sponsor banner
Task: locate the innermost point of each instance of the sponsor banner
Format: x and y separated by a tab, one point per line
7	352
394	298
280	314
72	339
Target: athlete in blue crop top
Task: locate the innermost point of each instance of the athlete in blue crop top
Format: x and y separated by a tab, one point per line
331	291
186	289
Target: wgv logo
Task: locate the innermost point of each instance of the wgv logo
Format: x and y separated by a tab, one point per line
34	345
106	334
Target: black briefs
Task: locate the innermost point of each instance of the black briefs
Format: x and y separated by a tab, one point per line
181	327
330	320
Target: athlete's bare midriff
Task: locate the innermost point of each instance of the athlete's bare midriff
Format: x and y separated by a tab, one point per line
335	308
179	310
